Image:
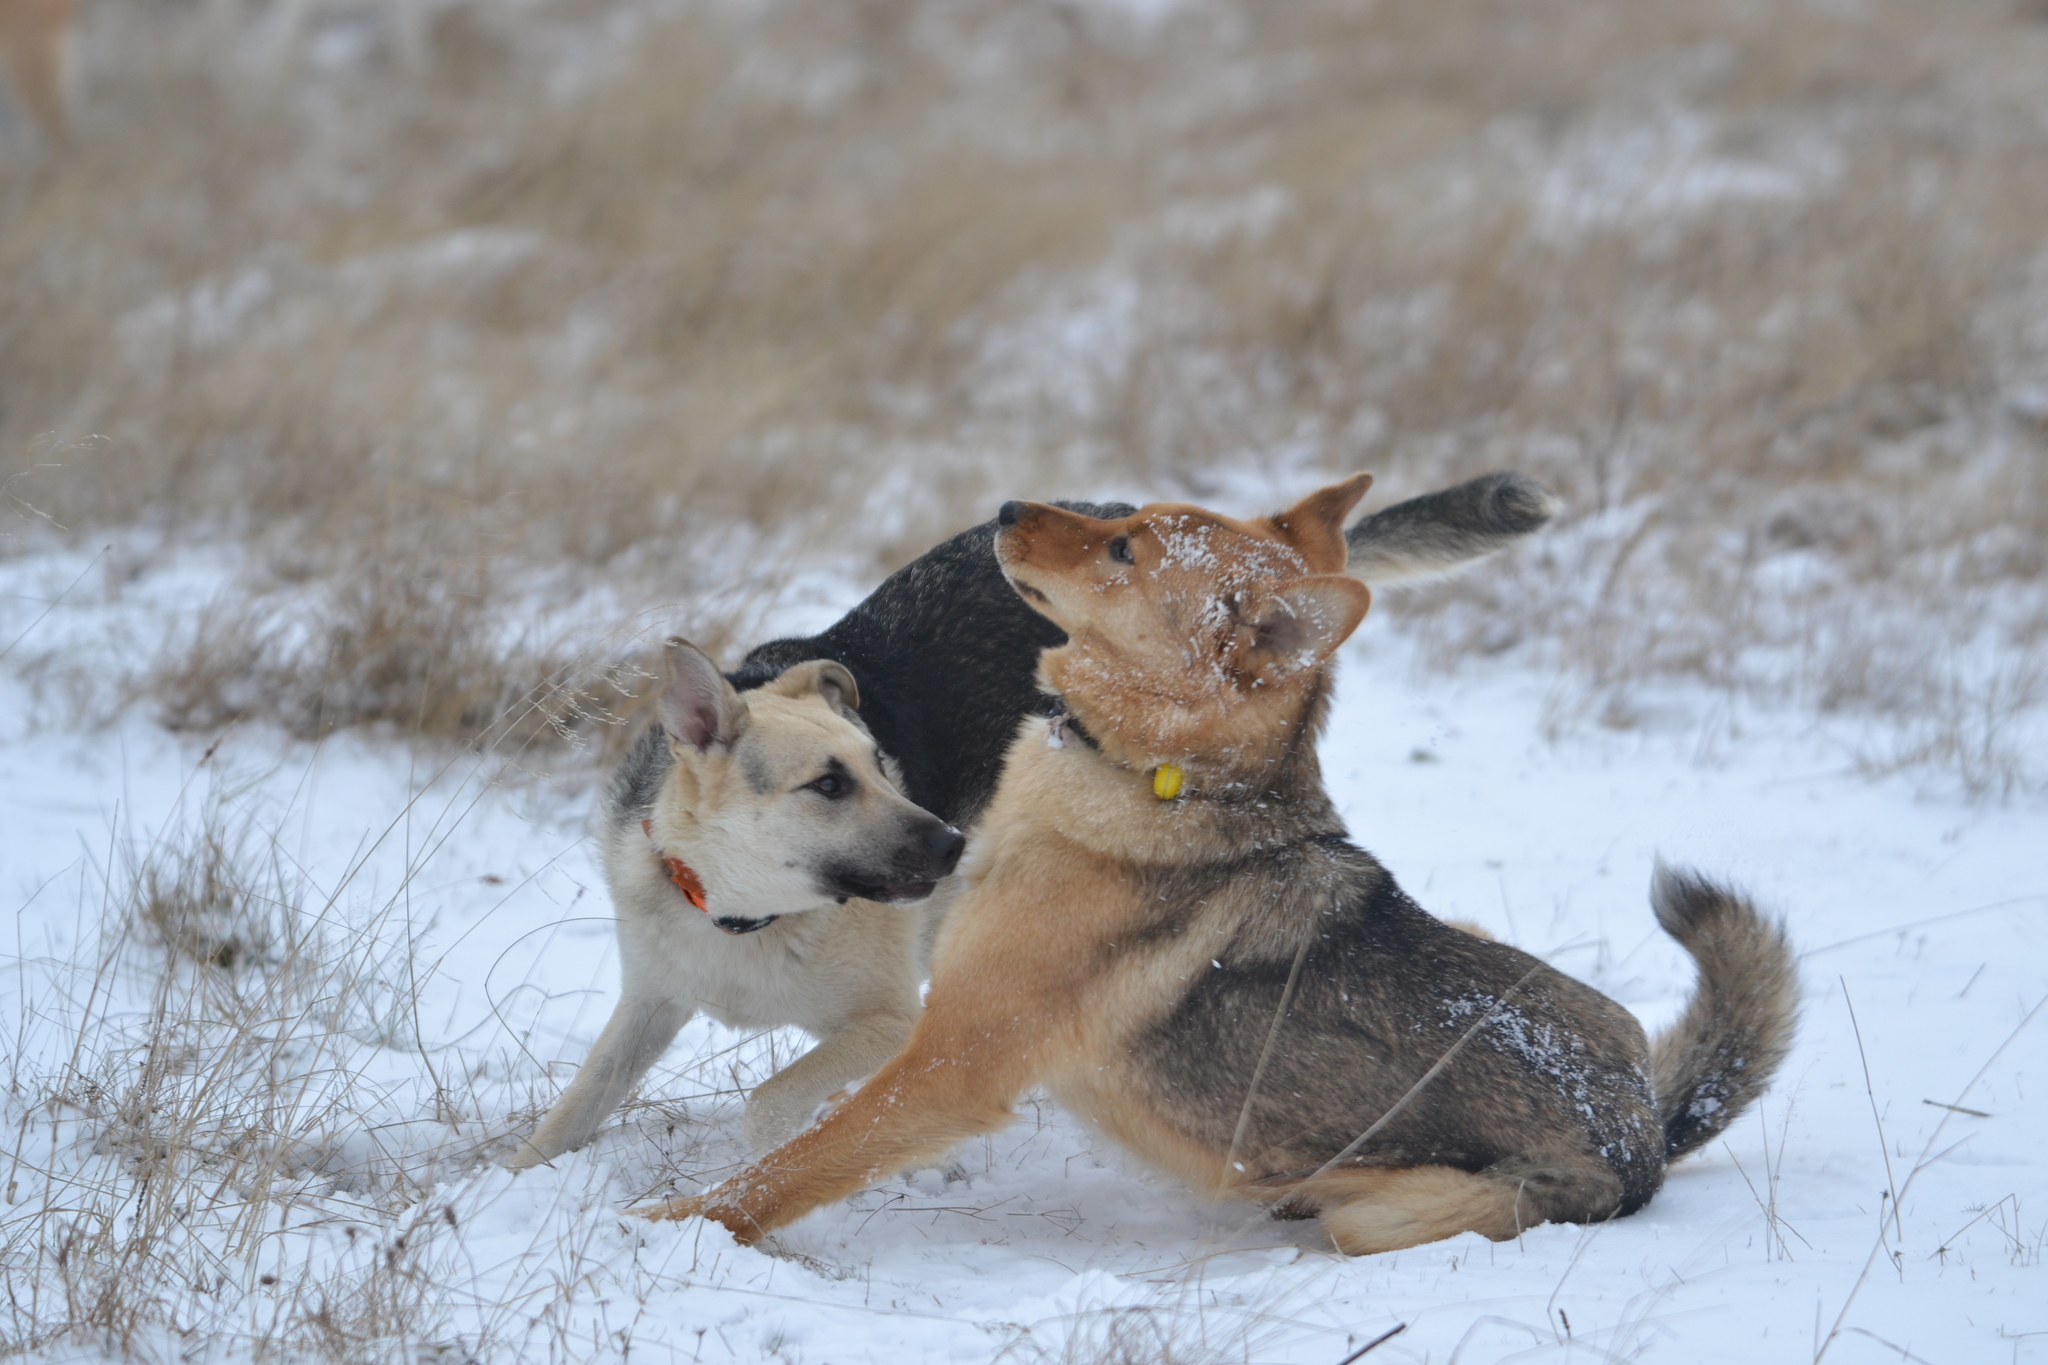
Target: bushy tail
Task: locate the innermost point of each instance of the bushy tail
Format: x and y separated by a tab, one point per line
1713	1063
1445	530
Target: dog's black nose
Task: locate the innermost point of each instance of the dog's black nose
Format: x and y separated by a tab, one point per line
1007	514
944	844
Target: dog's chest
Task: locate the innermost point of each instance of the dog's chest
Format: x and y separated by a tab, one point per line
770	991
795	971
760	980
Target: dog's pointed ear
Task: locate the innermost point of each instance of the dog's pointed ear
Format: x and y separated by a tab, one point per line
698	706
1315	525
1299	624
828	678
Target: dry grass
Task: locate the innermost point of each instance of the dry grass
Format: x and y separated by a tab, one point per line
209	1148
392	643
592	319
648	298
1172	1335
168	1146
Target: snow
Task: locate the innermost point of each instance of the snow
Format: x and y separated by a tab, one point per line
471	907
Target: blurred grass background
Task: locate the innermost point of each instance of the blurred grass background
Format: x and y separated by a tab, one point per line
477	328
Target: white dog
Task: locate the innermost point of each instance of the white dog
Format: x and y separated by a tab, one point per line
734	819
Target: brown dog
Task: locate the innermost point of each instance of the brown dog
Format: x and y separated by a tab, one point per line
1166	926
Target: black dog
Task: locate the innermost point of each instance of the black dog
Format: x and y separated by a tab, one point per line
946	654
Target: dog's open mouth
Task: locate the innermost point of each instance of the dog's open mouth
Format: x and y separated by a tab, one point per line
845	887
738	924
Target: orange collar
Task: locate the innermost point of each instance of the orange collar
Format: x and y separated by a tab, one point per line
681	873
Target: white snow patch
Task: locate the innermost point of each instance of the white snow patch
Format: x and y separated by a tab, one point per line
487	909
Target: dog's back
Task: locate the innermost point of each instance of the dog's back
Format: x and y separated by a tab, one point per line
945	657
946	653
1285	1079
1166	924
1271	1012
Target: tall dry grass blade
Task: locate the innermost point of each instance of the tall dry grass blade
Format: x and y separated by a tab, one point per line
1920	1164
1870	1090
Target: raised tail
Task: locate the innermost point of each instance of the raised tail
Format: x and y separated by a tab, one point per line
1448	529
1721	1054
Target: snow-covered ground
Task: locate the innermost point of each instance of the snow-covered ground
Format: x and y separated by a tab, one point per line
462	961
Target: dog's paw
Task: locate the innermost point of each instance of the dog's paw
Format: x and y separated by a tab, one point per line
520	1155
735	1221
763	1129
670	1211
770	1119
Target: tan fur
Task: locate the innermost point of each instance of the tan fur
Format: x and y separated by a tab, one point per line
1237	591
1289	604
35	42
1030	982
1387	1210
1027	989
1126	949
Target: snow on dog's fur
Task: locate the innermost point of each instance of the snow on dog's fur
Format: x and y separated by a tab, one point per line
1166	924
937	664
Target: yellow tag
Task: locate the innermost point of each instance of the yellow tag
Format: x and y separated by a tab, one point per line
1166	781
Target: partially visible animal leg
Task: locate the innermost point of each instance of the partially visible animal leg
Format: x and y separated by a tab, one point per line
640	1030
1371	1211
953	1080
1376	1210
786	1103
35	42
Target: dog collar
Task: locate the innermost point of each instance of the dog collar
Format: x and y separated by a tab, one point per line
692	886
1167	778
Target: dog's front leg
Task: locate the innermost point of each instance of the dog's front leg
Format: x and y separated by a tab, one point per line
955	1079
783	1105
640	1030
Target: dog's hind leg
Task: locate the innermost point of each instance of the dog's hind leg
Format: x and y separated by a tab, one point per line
785	1104
640	1030
1386	1209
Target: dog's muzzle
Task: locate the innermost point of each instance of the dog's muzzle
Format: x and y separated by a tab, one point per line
911	875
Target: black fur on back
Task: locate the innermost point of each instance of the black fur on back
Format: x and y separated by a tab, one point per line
945	655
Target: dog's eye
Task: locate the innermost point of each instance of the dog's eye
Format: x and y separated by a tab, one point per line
1120	550
832	786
